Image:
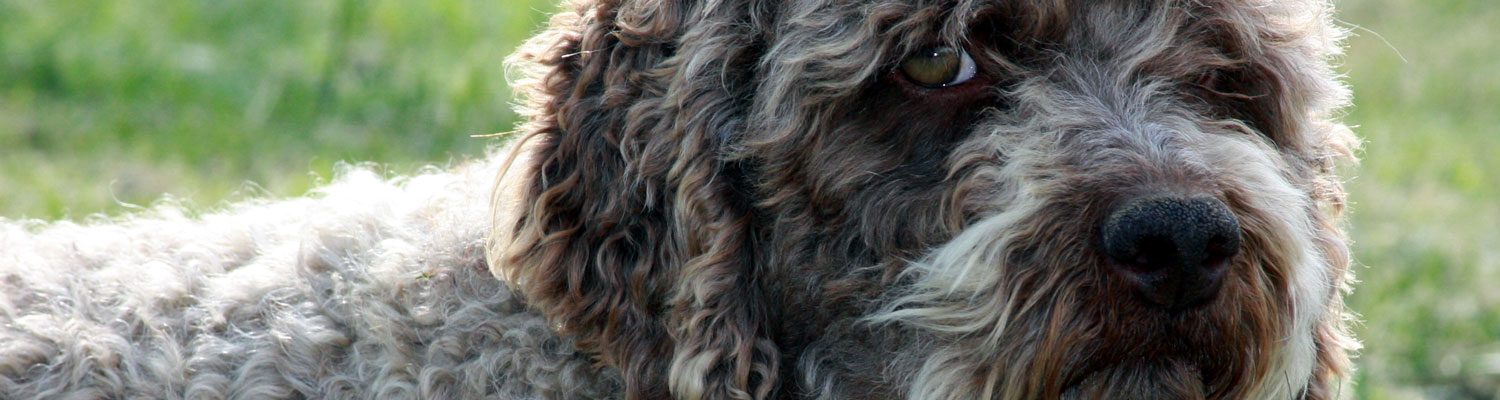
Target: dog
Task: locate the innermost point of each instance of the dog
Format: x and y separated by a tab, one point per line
749	199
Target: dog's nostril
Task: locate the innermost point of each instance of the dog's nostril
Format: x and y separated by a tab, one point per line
1174	250
1141	254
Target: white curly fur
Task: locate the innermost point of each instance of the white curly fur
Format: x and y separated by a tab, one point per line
368	288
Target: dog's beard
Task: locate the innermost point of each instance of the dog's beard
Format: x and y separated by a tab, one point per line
1085	333
1162	379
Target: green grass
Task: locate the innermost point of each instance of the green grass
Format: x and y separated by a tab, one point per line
105	104
112	102
1426	219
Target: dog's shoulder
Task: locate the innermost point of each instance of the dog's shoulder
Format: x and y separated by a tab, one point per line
369	286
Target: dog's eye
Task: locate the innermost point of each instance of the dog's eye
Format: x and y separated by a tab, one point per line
939	67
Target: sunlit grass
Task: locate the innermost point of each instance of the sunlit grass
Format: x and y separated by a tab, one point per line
1427	196
112	102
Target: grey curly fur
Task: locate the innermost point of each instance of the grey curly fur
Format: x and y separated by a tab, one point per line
370	288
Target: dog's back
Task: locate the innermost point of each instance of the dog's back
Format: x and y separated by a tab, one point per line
371	288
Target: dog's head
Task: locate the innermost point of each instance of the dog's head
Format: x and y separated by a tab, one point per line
938	198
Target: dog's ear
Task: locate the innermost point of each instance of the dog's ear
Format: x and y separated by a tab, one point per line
632	232
1295	97
1285	80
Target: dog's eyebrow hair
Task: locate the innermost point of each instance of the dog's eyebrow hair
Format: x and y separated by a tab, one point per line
1032	18
963	15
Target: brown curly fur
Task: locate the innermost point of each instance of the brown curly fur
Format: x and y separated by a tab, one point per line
738	199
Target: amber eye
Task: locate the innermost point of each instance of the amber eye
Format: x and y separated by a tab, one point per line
939	67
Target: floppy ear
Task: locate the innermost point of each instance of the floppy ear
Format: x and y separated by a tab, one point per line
633	234
1297	98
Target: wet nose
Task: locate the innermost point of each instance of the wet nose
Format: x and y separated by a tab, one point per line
1175	251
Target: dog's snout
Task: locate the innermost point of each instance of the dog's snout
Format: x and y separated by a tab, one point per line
1174	250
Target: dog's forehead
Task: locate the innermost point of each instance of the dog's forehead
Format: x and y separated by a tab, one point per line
1022	20
945	17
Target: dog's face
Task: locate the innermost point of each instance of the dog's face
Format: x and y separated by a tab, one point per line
939	199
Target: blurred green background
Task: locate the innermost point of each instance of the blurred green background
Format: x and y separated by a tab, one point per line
109	104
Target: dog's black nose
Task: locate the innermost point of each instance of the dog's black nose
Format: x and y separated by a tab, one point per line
1174	250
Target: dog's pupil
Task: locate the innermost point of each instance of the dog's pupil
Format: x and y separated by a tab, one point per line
933	67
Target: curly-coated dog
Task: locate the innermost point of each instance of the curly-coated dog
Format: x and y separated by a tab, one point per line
753	199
